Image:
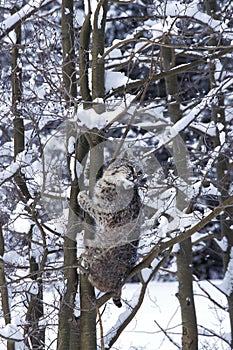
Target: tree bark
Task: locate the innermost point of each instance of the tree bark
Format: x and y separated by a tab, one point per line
4	290
84	46
69	325
33	330
224	183
98	38
17	90
68	52
184	256
223	164
88	315
87	293
68	334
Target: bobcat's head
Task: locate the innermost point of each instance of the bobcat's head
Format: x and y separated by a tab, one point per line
126	171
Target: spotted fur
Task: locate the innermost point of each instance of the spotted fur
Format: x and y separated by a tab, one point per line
115	207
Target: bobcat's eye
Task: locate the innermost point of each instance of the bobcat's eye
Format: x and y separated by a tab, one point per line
140	173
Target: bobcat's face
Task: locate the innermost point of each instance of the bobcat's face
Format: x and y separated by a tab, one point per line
125	171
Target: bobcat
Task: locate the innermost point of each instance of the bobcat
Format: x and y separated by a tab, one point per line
115	207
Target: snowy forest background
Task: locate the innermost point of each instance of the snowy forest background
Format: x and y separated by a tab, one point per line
79	82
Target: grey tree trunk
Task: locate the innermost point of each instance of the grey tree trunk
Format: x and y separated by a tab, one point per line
96	35
68	52
87	294
35	311
84	45
69	325
17	89
68	329
35	306
4	289
223	164
98	38
224	184
184	255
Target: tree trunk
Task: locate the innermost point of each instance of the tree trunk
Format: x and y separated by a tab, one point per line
68	328
69	325
185	295
35	307
17	89
88	315
68	52
184	256
87	293
98	38
223	165
224	184
4	290
84	44
33	330
68	334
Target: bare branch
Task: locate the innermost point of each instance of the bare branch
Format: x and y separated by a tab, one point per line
26	11
158	249
177	70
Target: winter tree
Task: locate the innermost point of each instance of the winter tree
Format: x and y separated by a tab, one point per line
81	82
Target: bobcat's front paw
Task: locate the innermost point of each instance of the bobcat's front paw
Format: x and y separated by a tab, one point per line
82	198
84	201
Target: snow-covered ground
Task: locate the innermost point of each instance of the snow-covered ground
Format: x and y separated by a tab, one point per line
157	324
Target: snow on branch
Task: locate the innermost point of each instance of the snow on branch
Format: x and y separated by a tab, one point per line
11	332
23	159
9	172
191	115
172	72
171	132
163	246
192	11
27	10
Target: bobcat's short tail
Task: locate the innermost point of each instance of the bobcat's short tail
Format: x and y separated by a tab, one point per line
117	302
117	298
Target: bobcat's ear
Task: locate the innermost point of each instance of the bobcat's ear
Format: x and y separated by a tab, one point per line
126	154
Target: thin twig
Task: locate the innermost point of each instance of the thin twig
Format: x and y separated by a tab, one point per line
166	334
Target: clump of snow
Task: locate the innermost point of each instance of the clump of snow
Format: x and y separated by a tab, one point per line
67	11
223	243
91	119
100	17
206	128
114	53
9	172
176	248
114	79
79	169
71	144
192	10
10	331
12	257
22	224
